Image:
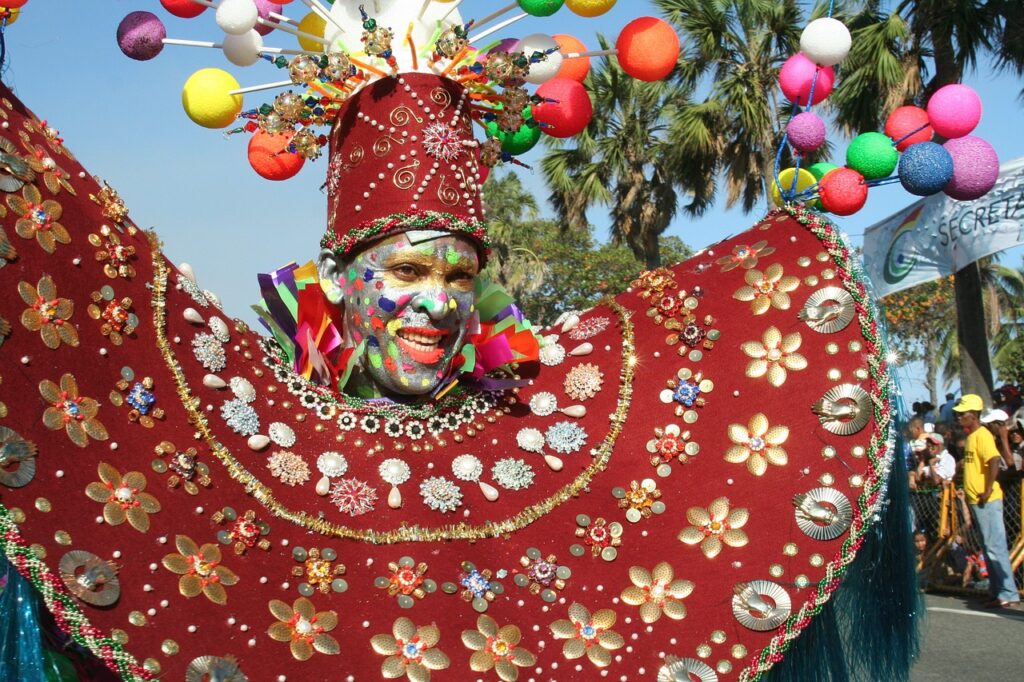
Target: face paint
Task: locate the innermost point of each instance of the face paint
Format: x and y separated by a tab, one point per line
414	300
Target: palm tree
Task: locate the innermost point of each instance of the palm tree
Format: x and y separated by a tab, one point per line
510	212
630	159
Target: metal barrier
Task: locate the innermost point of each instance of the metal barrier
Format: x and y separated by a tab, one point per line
953	536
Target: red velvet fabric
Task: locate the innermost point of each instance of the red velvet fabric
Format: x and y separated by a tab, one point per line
239	628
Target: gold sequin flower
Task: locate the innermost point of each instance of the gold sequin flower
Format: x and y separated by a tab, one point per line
115	256
411	651
200	570
588	635
745	256
583	381
38	218
123	497
715	526
767	289
497	648
75	414
757	444
47	313
773	355
303	628
657	592
288	467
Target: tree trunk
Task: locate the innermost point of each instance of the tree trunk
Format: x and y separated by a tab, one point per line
652	250
975	365
931	360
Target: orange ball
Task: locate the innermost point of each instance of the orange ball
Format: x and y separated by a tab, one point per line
270	158
648	49
576	68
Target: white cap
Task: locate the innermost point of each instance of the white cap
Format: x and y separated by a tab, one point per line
996	415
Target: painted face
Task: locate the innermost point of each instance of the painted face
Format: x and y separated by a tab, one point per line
411	297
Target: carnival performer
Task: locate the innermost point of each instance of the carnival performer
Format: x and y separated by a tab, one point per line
403	477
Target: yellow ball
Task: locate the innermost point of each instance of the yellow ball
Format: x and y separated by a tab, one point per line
206	99
804	180
313	24
589	8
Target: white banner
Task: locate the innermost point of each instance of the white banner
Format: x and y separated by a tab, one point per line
937	236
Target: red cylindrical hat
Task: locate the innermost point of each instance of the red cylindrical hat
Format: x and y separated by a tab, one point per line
403	157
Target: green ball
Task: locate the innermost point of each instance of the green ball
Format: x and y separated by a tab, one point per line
873	155
541	8
819	169
522	140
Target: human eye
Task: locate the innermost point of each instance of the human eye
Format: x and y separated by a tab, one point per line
407	272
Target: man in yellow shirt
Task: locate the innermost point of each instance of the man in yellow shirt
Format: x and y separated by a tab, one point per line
981	465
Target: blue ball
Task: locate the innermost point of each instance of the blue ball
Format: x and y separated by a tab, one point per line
925	168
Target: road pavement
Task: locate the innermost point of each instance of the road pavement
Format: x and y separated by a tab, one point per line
966	643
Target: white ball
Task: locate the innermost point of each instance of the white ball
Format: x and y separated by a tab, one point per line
237	16
541	72
244	49
826	41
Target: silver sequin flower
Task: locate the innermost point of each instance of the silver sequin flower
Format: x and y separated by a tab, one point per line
240	417
394	471
209	352
512	473
467	468
565	437
552	354
189	287
440	494
243	389
542	404
530	439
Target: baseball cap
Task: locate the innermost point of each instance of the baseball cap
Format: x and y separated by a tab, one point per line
935	438
969	403
918	445
996	415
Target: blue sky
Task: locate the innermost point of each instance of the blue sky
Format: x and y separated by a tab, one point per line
123	119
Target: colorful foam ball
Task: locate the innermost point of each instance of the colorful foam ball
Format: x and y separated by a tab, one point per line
185	9
140	35
589	8
804	180
806	131
265	7
903	122
873	155
925	168
312	24
520	141
575	68
954	110
797	76
270	158
243	50
540	8
207	100
843	191
569	110
975	167
235	17
826	41
545	70
12	4
12	15
648	48
820	170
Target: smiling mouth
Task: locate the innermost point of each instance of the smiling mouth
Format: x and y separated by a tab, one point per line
422	345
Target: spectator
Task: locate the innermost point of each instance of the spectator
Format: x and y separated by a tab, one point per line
946	411
940	466
996	422
985	496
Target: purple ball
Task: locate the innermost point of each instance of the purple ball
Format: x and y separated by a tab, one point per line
975	167
139	35
806	131
265	7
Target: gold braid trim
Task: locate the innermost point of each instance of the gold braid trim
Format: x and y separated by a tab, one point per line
461	531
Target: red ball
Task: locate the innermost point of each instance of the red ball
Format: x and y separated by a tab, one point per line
569	114
843	191
648	49
270	158
186	9
905	119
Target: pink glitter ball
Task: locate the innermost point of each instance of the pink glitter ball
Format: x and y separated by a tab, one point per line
806	131
975	167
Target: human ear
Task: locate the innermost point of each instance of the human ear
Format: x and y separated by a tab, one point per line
330	267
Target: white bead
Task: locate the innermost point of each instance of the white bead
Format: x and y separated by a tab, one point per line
113	446
59	473
151	612
76	261
103	352
116	554
192	628
164	603
153	567
24	359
